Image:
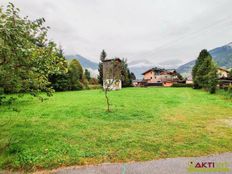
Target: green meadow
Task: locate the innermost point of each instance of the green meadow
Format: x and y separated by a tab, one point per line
73	128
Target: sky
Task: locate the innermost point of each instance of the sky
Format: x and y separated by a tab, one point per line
158	32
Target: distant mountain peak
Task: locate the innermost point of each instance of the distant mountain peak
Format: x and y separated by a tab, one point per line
229	44
85	63
221	55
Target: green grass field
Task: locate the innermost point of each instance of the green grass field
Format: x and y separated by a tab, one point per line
73	128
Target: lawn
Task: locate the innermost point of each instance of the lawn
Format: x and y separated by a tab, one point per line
73	128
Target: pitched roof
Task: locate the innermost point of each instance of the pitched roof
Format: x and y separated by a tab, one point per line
154	69
115	59
223	69
160	70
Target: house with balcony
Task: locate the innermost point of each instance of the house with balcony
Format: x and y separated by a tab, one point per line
222	72
224	79
160	77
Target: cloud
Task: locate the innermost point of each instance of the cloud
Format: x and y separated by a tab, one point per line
152	30
172	63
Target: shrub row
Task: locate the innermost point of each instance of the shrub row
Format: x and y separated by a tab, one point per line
182	85
95	86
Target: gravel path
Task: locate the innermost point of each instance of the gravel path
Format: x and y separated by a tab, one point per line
162	166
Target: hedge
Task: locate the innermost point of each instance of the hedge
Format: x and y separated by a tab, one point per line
182	85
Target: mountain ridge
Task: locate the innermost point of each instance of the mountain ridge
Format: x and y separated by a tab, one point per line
221	55
85	63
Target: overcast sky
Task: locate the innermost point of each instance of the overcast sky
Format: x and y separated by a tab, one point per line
156	31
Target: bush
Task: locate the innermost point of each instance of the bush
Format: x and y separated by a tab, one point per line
95	86
85	83
77	86
182	85
93	81
1	91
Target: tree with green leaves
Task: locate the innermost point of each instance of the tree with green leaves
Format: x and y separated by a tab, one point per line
126	75
212	78
26	55
205	72
75	75
179	76
132	76
195	75
59	80
87	74
100	66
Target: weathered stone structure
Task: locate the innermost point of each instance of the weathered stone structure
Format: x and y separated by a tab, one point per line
112	74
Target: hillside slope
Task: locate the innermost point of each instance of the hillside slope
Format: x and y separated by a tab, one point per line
221	55
85	62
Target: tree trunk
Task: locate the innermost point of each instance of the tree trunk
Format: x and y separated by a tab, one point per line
107	100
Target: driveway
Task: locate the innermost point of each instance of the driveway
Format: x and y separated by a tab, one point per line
214	164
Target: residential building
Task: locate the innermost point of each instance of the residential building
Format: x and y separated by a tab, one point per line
189	80
159	75
222	72
224	79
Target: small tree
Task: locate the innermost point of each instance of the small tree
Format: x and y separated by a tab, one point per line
100	66
87	74
212	79
179	76
126	75
132	75
113	73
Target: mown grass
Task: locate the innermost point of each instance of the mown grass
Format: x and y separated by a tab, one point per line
145	123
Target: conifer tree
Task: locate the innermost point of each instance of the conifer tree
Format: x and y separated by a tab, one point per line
203	54
100	67
87	74
205	72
